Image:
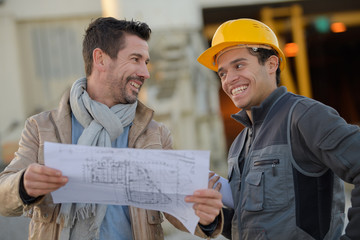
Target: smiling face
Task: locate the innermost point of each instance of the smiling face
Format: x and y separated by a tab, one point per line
127	73
119	80
244	79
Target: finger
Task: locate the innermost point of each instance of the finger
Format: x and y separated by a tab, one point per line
207	193
35	188
218	186
40	173
204	200
43	185
38	189
44	170
211	202
211	174
208	204
35	177
208	209
213	181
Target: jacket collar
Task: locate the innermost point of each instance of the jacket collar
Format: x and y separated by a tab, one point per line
143	116
259	112
62	120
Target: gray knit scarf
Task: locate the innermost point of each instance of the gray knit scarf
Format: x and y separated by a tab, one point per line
102	125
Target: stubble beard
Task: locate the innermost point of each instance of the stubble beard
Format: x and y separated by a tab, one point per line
130	99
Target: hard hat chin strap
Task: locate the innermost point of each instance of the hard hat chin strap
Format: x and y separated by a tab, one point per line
254	47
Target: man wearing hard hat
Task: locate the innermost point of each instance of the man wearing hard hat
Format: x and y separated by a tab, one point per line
286	168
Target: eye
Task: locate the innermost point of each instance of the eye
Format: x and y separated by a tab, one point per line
222	75
238	66
135	59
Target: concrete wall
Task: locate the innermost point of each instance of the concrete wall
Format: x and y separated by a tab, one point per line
13	15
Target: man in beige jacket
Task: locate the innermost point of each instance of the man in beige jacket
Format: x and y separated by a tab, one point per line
100	110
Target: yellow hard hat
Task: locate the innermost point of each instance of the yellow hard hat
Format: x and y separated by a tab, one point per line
242	31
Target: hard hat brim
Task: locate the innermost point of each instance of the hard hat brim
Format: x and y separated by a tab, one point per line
207	58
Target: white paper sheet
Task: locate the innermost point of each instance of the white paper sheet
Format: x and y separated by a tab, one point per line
150	179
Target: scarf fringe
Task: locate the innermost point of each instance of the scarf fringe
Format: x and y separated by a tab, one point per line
89	210
84	212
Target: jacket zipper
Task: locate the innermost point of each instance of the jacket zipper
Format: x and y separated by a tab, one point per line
273	163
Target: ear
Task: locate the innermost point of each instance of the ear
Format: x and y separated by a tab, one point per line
99	59
272	63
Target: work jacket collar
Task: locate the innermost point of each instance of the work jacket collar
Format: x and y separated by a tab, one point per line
259	112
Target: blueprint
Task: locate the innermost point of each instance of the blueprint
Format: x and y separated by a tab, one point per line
150	179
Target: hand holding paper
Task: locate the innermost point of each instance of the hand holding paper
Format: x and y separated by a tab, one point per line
207	204
40	180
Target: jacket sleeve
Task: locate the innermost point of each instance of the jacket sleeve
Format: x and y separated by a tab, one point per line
198	232
10	201
332	144
228	216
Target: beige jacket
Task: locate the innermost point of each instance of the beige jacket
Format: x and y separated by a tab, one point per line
55	126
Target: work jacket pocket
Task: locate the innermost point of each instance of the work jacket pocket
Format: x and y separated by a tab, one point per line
43	222
43	213
275	183
254	190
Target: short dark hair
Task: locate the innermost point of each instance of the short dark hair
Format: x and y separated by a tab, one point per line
108	35
262	55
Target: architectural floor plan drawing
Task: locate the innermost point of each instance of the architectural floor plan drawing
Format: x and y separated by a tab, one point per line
141	185
150	179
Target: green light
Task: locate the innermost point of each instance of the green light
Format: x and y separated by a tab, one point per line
322	24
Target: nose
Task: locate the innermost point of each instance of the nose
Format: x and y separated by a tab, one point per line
143	72
231	76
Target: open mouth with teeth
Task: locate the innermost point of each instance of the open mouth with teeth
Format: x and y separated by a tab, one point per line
135	85
239	90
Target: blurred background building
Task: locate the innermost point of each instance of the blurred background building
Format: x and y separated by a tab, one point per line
41	40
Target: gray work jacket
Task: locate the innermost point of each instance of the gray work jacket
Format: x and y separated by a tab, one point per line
286	183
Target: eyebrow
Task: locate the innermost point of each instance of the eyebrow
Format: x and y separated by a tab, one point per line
233	62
